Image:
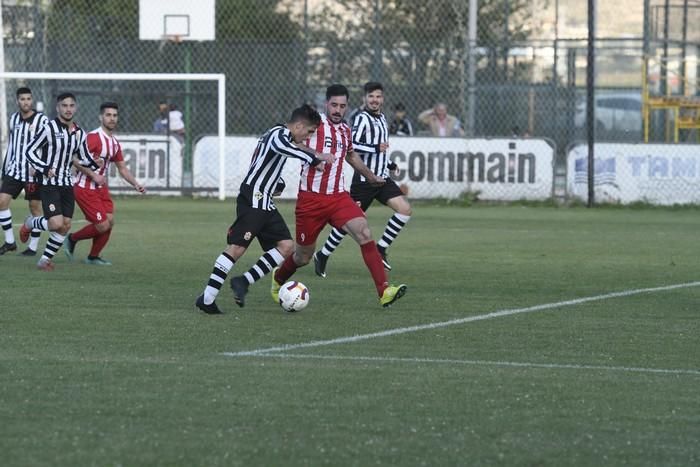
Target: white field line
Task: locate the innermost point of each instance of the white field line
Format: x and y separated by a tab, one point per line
450	361
453	322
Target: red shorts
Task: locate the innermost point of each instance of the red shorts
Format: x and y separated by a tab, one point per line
95	204
314	211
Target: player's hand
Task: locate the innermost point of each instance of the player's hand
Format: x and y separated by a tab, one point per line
32	171
327	158
393	169
51	173
383	147
99	180
141	189
376	181
100	162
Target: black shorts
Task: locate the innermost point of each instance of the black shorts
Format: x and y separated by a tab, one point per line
13	187
57	201
267	226
364	193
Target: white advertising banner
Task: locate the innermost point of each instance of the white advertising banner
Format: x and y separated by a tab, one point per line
663	174
499	169
146	156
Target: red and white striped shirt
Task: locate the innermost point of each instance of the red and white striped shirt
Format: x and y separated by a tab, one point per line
100	145
329	138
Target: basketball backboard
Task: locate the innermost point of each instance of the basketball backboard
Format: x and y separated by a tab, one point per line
182	19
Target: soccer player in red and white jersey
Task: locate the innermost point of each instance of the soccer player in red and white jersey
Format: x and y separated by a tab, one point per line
323	200
91	189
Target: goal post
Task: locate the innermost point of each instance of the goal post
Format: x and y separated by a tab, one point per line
21	78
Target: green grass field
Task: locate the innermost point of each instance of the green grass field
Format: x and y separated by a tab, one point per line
111	366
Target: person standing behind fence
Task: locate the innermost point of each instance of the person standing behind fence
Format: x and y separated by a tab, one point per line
92	191
160	124
400	125
51	154
441	123
16	174
369	138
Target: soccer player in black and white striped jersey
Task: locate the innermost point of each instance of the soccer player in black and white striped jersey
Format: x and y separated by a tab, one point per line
16	174
256	214
370	140
51	153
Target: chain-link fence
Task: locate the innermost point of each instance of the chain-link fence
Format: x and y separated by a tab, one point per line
278	53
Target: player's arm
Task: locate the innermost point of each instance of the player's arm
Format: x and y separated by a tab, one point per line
89	172
34	151
290	149
356	163
84	155
126	174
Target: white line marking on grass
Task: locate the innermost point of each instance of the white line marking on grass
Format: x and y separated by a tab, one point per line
563	366
468	319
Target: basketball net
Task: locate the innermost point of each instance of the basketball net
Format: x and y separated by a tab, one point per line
172	38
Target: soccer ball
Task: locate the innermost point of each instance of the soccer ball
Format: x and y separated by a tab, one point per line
294	296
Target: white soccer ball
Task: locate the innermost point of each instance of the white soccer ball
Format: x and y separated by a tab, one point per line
294	296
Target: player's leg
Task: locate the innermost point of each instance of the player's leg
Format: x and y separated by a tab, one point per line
59	204
91	206
238	238
361	193
34	201
104	229
312	213
356	225
391	195
222	266
321	256
277	243
9	190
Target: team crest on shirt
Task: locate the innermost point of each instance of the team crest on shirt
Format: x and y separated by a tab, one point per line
247	236
258	195
52	207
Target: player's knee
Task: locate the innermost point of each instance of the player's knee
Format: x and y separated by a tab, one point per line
285	247
103	227
302	258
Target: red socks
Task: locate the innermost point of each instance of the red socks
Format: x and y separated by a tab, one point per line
89	231
99	242
286	269
374	263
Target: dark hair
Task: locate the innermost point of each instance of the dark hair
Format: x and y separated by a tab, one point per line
306	113
65	95
337	90
108	105
373	86
400	107
23	90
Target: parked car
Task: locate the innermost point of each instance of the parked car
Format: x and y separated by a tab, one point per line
619	111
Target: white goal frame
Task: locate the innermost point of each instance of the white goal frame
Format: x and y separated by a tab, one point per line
220	78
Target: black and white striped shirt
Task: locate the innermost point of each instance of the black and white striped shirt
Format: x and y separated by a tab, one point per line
368	132
22	131
271	153
53	148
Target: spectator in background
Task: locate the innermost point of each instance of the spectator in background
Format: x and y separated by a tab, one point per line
441	123
169	121
176	123
160	125
400	125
